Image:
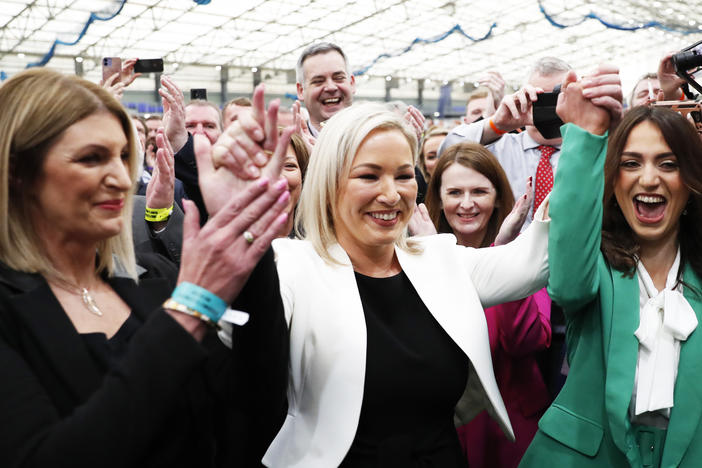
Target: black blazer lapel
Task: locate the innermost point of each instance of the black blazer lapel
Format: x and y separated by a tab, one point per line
57	339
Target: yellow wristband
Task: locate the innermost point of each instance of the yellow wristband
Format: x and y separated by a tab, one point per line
156	215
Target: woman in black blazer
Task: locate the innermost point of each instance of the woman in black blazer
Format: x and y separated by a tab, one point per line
95	369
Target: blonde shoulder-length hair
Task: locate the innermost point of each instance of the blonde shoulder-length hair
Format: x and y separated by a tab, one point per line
38	105
330	164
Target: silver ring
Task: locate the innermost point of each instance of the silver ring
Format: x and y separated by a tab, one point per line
249	237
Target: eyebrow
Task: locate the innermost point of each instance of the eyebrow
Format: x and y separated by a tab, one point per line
378	166
638	155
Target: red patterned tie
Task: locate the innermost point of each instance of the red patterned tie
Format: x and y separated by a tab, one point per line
544	175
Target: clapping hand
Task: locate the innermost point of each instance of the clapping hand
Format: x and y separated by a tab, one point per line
512	224
420	223
173	113
301	127
159	191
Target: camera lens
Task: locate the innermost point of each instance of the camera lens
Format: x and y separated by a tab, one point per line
687	60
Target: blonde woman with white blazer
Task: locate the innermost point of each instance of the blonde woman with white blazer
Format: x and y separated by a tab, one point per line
388	340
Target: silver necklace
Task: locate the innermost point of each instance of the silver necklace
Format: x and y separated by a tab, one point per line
86	298
89	302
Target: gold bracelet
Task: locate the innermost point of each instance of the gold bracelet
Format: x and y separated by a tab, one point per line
178	307
156	215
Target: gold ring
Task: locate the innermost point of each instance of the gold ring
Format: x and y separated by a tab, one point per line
249	237
268	152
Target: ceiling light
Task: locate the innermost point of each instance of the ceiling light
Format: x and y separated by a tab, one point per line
436	114
254	69
218	67
388	78
79	59
176	65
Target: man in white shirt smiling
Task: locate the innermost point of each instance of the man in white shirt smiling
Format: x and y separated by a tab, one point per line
324	82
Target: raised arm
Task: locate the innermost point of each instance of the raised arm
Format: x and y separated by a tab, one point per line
576	200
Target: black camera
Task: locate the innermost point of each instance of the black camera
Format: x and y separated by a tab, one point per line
688	66
198	93
544	114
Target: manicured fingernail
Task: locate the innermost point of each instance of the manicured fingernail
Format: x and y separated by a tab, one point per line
524	197
284	197
282	219
263	181
260	159
258	135
530	179
254	172
281	184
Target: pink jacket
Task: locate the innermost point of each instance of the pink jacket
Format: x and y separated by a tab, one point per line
518	331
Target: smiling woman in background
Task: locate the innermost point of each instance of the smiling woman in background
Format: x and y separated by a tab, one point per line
95	371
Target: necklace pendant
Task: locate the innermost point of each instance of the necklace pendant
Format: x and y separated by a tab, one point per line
89	302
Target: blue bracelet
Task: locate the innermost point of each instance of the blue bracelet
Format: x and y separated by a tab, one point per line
200	299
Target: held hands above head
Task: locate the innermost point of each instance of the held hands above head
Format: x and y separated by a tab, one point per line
173	113
512	224
247	150
669	80
594	103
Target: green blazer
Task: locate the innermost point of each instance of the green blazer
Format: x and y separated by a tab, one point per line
588	424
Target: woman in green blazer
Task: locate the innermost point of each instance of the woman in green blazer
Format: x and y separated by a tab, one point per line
627	273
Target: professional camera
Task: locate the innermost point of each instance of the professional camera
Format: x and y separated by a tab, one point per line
688	66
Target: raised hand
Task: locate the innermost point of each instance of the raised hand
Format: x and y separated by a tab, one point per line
237	159
594	103
416	120
248	143
301	127
514	111
604	89
669	80
159	191
128	75
495	84
114	86
512	224
420	223
173	113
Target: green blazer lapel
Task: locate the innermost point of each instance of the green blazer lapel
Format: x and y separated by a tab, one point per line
686	414
621	317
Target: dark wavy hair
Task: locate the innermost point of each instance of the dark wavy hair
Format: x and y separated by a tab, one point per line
619	244
473	156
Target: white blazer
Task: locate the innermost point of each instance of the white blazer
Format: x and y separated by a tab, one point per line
328	332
